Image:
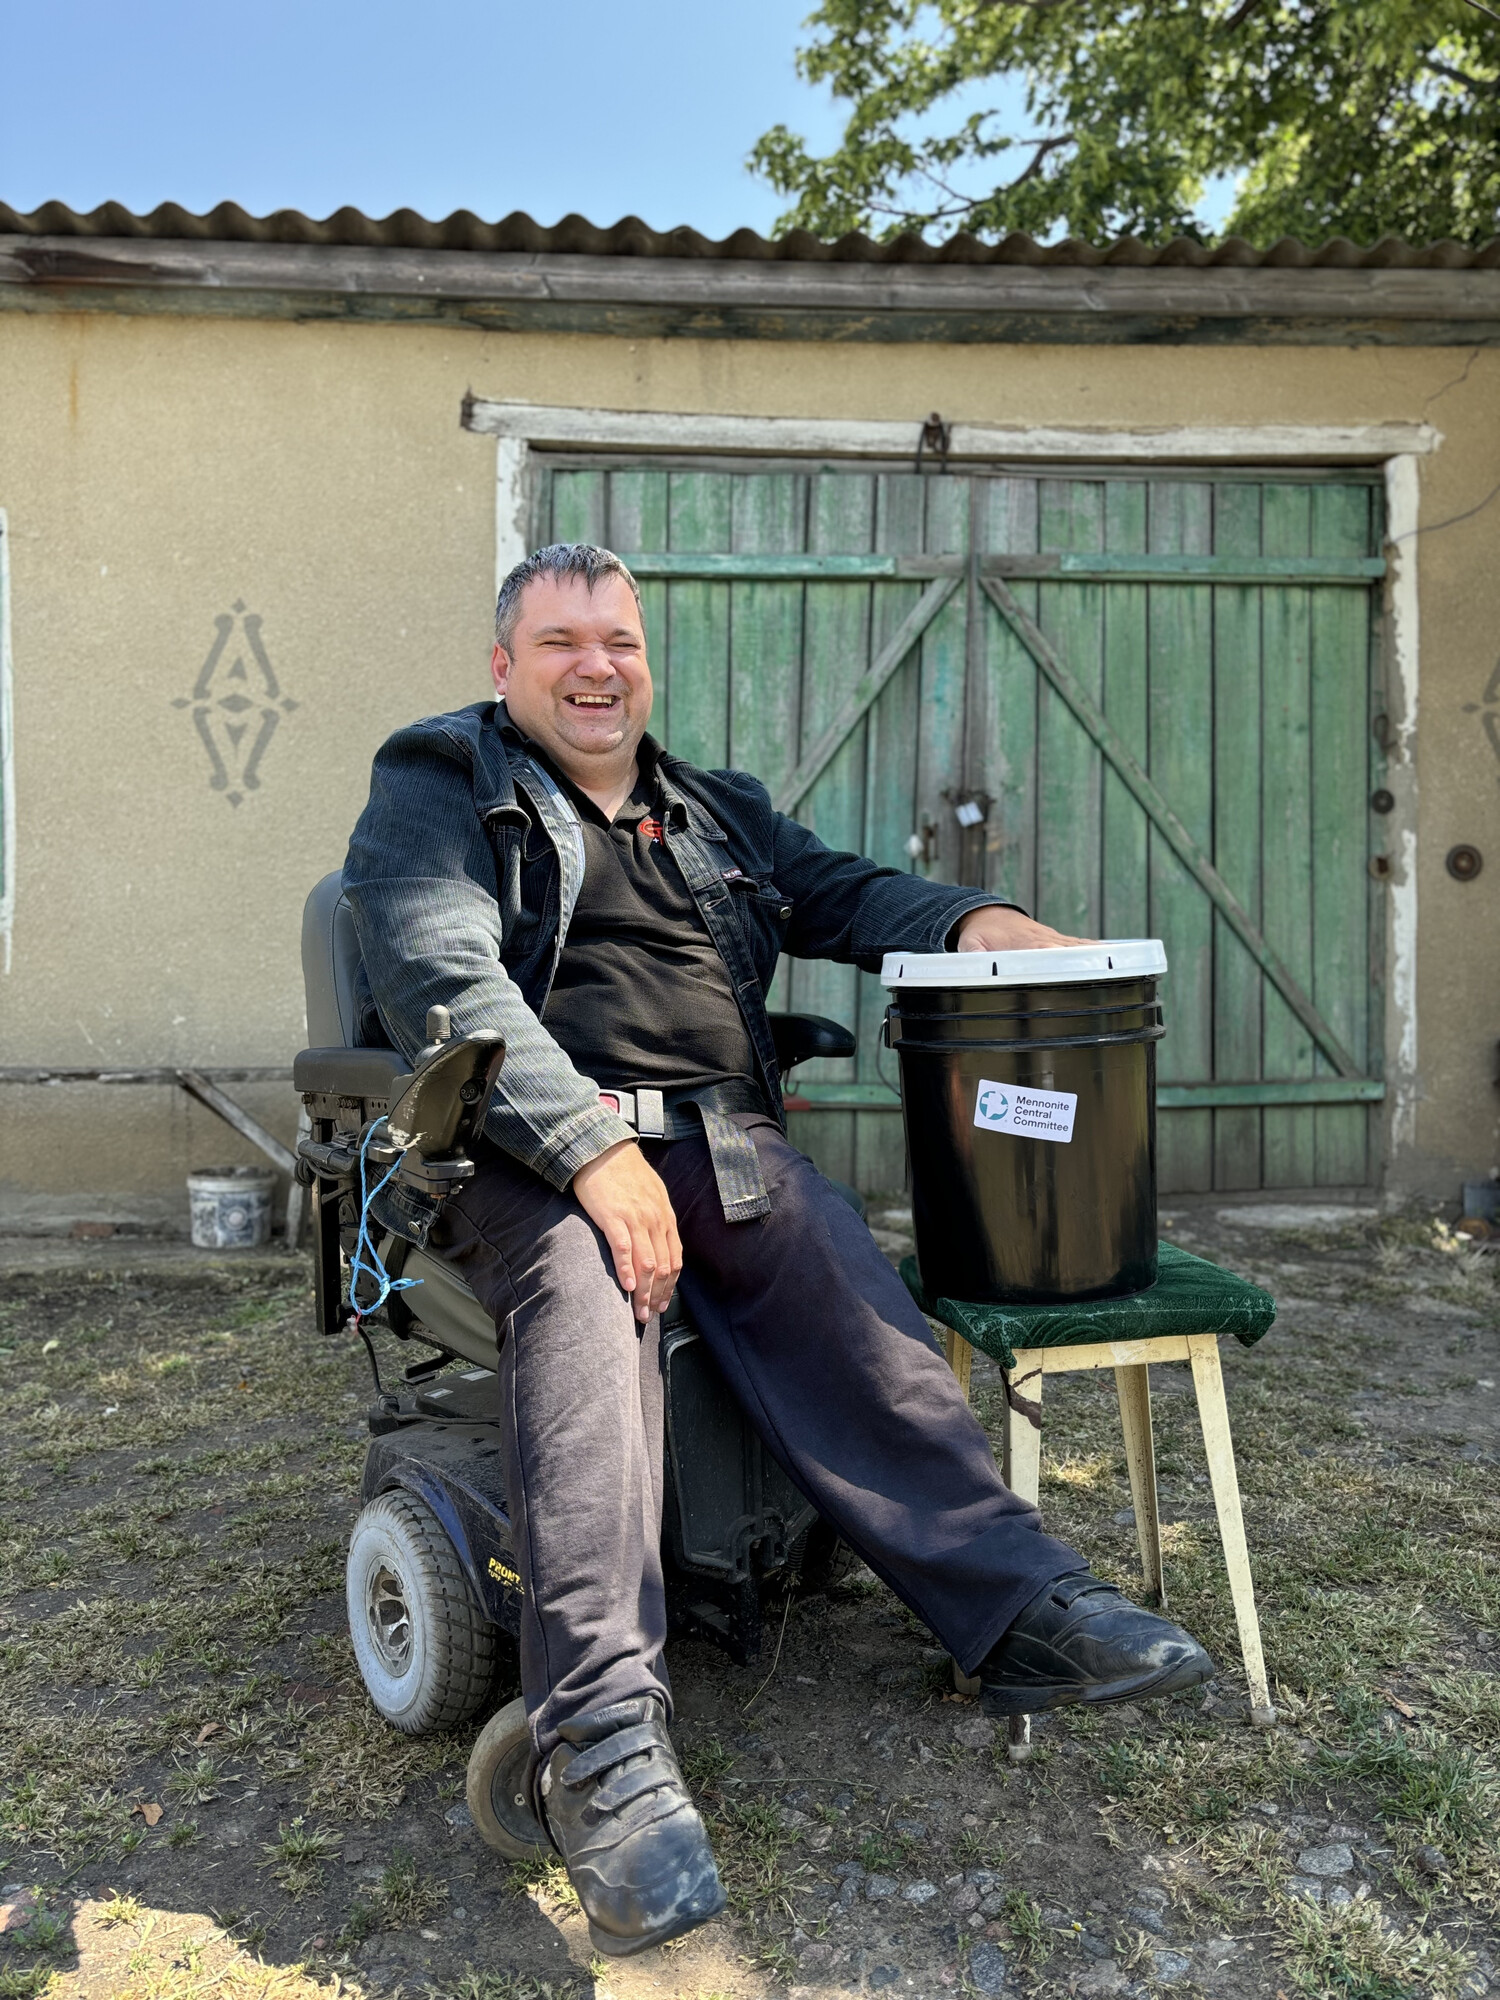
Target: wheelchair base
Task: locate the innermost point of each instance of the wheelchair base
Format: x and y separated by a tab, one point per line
724	1538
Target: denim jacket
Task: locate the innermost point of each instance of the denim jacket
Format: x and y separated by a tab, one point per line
463	873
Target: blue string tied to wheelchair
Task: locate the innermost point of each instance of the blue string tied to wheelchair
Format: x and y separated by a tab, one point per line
373	1267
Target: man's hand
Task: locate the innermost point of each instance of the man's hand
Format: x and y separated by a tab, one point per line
999	928
628	1201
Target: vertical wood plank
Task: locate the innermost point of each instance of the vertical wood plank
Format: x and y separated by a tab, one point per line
1376	840
841	522
1125	893
1181	522
942	678
1288	1133
1237	772
1001	746
637	525
1069	767
637	512
766	629
697	706
539	512
890	812
944	673
769	517
578	506
1340	672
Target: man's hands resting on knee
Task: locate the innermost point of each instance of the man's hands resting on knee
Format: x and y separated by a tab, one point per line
628	1201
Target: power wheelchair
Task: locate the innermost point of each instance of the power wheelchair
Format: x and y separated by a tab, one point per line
433	1585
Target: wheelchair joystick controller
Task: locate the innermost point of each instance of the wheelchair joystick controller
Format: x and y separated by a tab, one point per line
435	1112
438	1111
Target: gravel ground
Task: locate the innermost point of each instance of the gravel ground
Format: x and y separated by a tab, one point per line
195	1796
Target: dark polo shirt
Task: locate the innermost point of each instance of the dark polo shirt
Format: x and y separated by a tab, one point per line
641	994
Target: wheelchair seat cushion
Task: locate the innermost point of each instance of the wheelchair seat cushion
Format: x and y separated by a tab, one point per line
1190	1296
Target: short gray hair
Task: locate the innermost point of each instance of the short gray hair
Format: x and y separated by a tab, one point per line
559	559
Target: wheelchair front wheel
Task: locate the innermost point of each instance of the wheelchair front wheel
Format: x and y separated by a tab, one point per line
496	1787
820	1560
425	1651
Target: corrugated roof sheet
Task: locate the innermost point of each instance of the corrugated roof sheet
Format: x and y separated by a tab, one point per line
630	237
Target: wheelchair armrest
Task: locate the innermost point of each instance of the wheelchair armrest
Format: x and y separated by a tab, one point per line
801	1036
349	1072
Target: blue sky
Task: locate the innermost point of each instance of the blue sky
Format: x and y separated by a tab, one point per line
643	107
639	107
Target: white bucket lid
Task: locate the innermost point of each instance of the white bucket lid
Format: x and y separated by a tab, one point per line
1064	965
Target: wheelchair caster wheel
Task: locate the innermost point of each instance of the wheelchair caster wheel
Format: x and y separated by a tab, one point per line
496	1792
425	1651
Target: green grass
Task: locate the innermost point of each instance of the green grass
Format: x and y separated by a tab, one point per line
1023	1917
297	1855
706	1763
472	1985
406	1895
25	1982
1357	1954
1420	1777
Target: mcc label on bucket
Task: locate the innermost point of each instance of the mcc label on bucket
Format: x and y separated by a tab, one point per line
1030	1114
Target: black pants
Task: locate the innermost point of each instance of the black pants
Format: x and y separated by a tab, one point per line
820	1342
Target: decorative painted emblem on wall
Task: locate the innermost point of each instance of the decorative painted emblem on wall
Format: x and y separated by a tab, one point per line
236	706
1490	713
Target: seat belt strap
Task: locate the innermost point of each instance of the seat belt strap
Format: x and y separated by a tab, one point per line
742	1186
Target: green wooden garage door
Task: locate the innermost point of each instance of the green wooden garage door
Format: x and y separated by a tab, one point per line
1152	696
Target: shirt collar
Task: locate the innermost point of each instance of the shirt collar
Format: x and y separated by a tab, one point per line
647	757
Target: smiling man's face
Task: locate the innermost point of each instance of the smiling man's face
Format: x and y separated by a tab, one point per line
575	675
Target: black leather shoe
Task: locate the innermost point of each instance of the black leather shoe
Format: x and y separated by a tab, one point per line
614	1802
1080	1640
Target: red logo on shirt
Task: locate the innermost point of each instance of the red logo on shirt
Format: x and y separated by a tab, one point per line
652	830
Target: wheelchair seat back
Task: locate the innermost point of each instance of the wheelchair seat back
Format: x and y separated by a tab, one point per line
330	966
344	1084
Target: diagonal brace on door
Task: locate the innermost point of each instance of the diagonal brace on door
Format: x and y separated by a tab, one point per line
880	669
1167	824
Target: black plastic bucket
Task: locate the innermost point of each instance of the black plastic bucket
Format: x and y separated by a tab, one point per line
1028	1087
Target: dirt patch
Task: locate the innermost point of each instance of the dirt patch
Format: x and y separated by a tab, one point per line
195	1796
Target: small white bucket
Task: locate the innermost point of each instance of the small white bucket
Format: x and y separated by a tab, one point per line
231	1207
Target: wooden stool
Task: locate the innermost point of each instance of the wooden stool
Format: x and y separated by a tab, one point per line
1227	1304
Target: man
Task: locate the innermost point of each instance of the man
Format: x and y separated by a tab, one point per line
540	866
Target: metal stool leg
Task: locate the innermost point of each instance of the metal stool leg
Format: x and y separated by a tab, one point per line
1133	1386
1213	1414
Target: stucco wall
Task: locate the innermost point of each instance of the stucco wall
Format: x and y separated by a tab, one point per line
157	472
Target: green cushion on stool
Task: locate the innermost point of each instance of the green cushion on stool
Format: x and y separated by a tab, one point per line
1190	1296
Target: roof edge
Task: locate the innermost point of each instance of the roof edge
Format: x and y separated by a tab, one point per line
574	235
745	298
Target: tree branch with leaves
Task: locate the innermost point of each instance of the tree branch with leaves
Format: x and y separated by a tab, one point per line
1380	119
